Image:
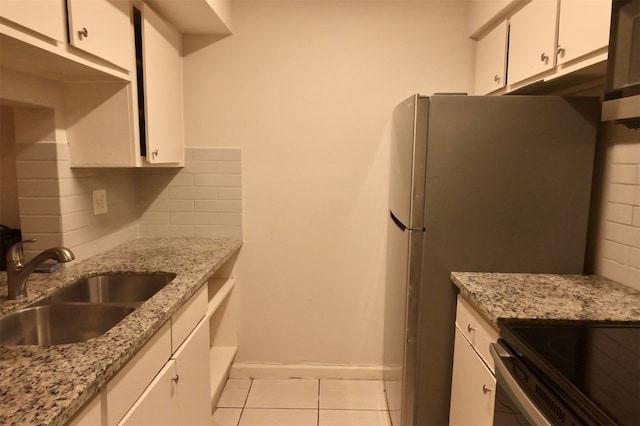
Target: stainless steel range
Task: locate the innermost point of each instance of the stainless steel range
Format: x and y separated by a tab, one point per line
565	373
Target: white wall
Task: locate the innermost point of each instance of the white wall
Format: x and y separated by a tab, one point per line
306	90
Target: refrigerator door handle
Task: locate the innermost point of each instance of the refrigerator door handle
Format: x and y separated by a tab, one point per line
397	222
402	226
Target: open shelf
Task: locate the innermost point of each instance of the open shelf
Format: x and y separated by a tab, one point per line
223	345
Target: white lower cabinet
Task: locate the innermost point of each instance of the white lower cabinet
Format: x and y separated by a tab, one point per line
159	403
178	375
472	387
473	384
179	394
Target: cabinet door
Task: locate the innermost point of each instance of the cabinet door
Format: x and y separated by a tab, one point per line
158	405
472	387
491	60
103	28
46	17
162	90
532	40
583	28
194	383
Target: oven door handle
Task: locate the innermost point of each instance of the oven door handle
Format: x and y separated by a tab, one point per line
511	387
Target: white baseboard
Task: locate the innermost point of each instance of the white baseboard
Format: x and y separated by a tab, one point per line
306	371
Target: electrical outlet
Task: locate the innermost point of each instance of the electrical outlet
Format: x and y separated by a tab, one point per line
99	201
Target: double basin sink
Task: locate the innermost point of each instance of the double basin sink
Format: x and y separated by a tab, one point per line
85	309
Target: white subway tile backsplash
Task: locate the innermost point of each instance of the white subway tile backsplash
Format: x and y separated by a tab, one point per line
623	234
182	180
168	205
623	194
617	252
77	220
200	167
620	213
218	180
214	154
218	206
58	208
613	270
39	188
36	169
230	193
151	218
634	258
41	223
39	206
204	199
194	219
193	193
619	245
40	151
229	167
229	218
623	173
169	231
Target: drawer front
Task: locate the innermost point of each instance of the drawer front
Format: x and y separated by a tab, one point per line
185	320
476	330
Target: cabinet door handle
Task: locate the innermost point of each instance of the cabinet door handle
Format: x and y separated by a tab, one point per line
560	50
496	78
470	329
544	57
83	33
176	378
155	153
486	389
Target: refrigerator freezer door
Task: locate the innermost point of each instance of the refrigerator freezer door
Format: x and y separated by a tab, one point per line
405	252
408	161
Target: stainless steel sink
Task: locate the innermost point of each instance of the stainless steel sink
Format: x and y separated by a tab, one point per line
59	323
112	289
83	310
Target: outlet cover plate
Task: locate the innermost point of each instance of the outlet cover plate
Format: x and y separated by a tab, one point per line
99	201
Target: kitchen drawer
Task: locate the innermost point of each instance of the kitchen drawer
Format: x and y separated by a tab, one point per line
185	320
472	387
125	388
476	330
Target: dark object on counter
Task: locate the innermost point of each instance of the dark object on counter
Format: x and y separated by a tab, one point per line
8	237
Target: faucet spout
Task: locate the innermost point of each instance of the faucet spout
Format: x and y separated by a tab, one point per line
18	272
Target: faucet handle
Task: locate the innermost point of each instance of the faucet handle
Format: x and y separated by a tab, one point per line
15	253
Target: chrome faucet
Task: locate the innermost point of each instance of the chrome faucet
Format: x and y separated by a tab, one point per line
18	273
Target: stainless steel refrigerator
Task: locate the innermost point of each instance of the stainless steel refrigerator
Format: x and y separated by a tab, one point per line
493	184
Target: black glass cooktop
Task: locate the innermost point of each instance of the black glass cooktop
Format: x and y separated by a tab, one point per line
595	368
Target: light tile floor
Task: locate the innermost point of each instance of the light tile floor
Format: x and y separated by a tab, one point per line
302	402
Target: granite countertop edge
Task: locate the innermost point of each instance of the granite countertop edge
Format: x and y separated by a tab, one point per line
47	385
501	297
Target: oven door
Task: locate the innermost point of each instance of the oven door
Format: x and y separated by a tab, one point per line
513	405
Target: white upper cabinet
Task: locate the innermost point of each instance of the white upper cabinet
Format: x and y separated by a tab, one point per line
532	40
491	60
162	132
103	28
45	17
583	28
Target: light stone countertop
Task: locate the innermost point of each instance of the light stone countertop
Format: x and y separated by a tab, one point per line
46	385
503	296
